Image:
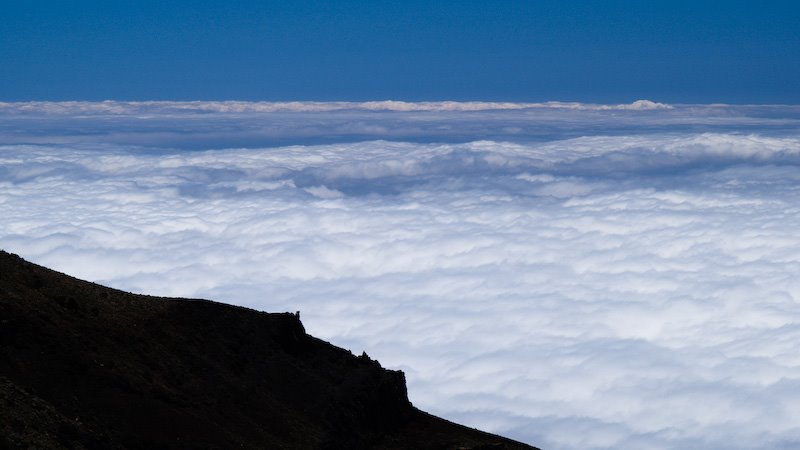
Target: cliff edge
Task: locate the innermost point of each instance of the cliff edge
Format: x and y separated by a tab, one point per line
84	366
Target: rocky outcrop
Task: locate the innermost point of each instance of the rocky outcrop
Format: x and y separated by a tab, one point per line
85	366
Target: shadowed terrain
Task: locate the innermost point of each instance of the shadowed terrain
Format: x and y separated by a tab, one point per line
85	366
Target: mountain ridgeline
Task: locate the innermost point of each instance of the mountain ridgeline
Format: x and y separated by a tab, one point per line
84	366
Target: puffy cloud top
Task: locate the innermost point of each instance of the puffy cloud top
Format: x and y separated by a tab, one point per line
595	287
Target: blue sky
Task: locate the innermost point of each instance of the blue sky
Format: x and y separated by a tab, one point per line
609	51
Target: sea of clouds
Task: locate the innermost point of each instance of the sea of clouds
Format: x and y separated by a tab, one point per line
575	278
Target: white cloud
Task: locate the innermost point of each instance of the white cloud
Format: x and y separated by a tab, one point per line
119	107
594	291
209	125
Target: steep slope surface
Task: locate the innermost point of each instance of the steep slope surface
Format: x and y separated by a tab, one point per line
85	366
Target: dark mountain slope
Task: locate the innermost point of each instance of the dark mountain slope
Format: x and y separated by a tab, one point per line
85	366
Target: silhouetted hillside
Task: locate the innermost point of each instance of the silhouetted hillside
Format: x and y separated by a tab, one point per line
85	366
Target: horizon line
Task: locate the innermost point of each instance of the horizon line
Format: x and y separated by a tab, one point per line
254	106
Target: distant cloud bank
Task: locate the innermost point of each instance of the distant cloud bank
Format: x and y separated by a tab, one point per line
573	278
118	107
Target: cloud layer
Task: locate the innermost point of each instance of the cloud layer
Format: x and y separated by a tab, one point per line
119	107
608	290
216	125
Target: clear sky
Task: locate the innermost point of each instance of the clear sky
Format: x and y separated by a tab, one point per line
596	51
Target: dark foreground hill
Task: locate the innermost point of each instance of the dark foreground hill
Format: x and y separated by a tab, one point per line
85	366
